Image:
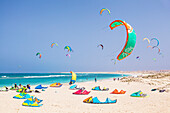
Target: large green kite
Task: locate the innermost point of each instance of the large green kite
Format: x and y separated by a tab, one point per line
130	40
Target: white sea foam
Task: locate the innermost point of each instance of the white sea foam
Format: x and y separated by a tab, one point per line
48	76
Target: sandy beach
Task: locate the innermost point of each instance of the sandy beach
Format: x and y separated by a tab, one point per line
61	100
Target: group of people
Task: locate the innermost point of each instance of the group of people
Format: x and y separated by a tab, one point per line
115	79
20	86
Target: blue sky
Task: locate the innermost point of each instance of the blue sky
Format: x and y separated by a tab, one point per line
28	27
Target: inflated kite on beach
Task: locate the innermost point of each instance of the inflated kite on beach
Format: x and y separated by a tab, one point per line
73	79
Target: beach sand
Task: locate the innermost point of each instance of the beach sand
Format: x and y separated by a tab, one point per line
61	100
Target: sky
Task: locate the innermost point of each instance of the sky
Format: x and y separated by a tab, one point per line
29	26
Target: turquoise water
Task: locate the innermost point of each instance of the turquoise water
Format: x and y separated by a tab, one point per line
8	79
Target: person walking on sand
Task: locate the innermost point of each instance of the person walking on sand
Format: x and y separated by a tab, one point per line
95	80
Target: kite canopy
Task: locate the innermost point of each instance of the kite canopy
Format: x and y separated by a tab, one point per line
138	57
117	92
73	79
22	96
39	55
101	46
156	40
40	87
114	60
81	92
32	102
97	88
130	39
54	44
149	46
138	94
101	11
154	59
147	40
68	55
68	48
157	48
56	85
95	100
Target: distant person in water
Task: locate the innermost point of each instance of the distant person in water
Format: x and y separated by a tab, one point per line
95	80
114	79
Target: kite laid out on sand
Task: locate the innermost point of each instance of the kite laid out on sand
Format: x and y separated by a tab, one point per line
96	101
130	38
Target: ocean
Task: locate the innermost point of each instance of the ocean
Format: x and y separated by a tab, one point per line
9	79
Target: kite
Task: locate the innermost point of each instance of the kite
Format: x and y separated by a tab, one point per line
68	55
156	40
147	40
154	59
157	48
100	45
114	61
73	79
130	39
54	44
101	11
149	46
68	48
138	57
39	55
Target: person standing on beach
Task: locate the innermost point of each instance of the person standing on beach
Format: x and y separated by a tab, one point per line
15	86
95	80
